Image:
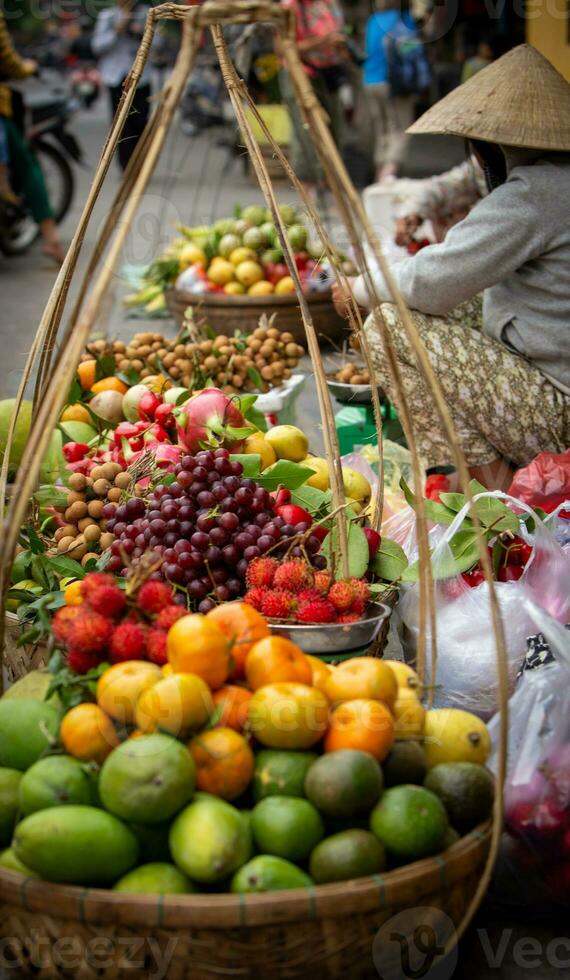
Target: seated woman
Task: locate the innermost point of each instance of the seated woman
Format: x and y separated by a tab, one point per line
508	388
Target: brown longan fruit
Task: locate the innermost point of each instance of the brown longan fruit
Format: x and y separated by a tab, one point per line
95	509
106	540
211	363
291	350
89	556
221	341
267	372
101	486
254	344
77	481
109	471
92	533
78	549
145	350
221	377
67	531
205	346
85	522
123	480
73	497
222	360
119	346
64	543
237	380
291	362
137	364
139	490
124	365
287	338
76	511
179	350
114	495
278	368
97	473
266	350
273	333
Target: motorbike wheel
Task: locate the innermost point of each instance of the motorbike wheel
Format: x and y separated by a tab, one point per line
58	176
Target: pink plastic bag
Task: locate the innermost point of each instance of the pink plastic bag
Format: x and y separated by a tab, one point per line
545	482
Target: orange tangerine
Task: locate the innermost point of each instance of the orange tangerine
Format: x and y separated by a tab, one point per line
321	672
179	705
76	413
224	762
276	659
72	594
87	733
86	373
244	626
109	384
362	677
196	645
288	716
361	724
232	702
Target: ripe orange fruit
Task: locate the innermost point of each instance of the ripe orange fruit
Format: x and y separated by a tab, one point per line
119	688
87	733
233	702
76	413
321	672
275	659
288	716
224	762
86	373
362	677
244	626
196	645
109	384
179	705
72	594
361	724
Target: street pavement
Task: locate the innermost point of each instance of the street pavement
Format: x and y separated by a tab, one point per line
195	182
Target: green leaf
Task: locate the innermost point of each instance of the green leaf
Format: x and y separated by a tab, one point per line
50	496
464	554
285	473
34	541
390	561
438	513
183	397
245	402
453	501
41	572
251	463
312	500
256	418
495	515
130	377
254	375
75	393
105	367
358	553
66	566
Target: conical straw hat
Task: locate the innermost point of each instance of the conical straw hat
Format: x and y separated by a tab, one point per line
518	100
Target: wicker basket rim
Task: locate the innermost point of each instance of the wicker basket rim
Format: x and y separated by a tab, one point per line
334	900
220	299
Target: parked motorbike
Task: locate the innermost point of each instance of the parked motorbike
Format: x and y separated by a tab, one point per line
47	113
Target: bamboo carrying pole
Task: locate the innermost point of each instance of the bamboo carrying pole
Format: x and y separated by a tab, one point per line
213	14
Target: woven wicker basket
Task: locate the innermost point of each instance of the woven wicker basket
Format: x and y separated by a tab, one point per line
20	660
326	932
228	313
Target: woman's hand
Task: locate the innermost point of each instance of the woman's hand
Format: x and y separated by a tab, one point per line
342	296
406	228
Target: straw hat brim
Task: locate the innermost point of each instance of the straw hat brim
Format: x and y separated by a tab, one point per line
518	100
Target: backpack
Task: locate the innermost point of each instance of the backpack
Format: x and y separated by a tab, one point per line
408	68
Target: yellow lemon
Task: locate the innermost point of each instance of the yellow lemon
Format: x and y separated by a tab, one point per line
179	704
221	272
288	442
355	484
408	713
405	676
249	272
190	255
257	443
76	413
453	735
261	288
234	289
285	286
321	479
242	254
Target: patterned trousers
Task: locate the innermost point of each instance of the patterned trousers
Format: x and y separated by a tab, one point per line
502	406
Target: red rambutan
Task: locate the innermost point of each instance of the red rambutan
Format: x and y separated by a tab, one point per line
342	595
316	611
308	594
156	646
90	632
323	580
168	616
108	600
348	617
62	622
293	576
361	588
255	597
358	606
154	596
278	604
128	642
260	572
94	581
82	663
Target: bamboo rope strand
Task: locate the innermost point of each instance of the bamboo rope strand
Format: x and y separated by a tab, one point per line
236	91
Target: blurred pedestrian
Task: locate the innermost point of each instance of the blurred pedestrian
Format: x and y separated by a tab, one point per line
322	47
116	40
396	71
27	177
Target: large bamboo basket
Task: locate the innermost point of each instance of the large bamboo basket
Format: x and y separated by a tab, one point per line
228	313
326	932
20	660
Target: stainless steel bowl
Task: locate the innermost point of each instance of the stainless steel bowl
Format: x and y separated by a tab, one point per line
328	639
351	394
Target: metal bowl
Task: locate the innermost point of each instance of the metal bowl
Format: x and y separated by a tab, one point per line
351	394
328	639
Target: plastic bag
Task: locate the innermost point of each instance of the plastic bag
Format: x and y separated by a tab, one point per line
537	788
397	462
545	482
466	674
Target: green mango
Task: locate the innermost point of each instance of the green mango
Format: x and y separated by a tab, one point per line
57	780
27	728
266	873
9	783
77	845
210	839
155	879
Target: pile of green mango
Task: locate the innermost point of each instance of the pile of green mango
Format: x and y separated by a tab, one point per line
137	823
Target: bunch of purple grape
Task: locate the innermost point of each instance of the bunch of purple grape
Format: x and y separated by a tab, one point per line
206	526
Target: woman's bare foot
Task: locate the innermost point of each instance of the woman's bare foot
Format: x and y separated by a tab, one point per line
54	250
